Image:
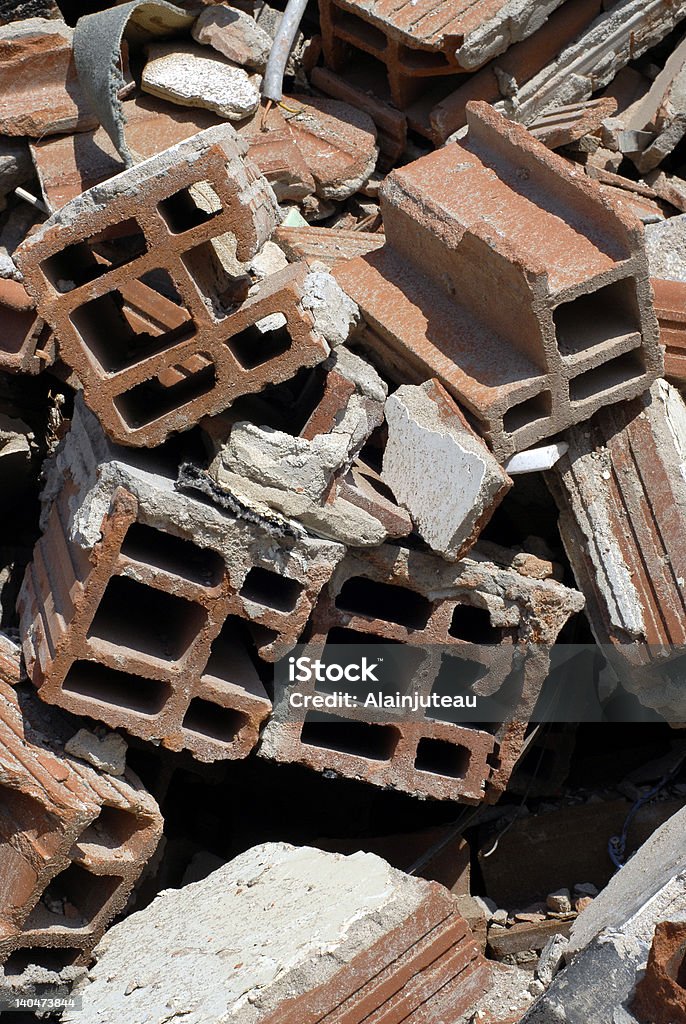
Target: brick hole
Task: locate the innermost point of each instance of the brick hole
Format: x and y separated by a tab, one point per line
439	757
253	346
361	739
473	625
602	316
37	956
113	827
423	60
536	408
213	721
152	399
220	289
271	589
20	812
287	406
73	899
456	675
601	379
121	331
406	659
88	260
105	685
362	596
677	966
234	658
190	207
359	32
139	618
173	554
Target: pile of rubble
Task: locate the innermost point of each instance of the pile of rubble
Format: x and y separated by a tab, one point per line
395	357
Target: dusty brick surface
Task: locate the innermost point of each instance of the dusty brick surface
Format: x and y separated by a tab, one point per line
415	41
660	996
144	375
670	308
72	842
576	330
38	80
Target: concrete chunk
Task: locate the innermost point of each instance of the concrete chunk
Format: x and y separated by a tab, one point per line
194	77
287	934
439	469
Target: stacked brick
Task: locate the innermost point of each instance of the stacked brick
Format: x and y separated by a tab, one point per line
73	843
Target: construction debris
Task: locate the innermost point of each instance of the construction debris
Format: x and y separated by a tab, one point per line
370	940
342	515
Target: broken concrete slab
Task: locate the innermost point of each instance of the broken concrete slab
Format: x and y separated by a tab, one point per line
193	77
106	752
233	34
309	931
439	469
297	474
38	80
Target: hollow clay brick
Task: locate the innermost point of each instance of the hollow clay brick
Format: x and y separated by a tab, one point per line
574	328
143	377
151	611
72	841
438	609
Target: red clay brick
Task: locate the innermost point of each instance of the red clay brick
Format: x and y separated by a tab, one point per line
501	211
79	282
72	842
165	625
26	344
660	996
351	610
322	245
621	495
417	40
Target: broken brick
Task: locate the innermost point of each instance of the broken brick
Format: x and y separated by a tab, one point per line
432	757
148	375
528	367
375	943
39	82
621	496
72	842
660	996
160	622
670	307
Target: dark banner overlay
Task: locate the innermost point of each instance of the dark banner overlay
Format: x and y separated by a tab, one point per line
480	684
